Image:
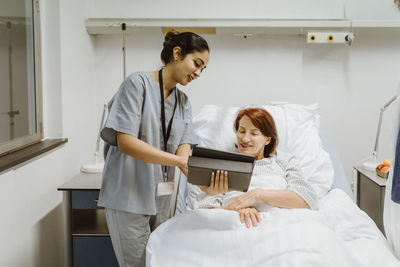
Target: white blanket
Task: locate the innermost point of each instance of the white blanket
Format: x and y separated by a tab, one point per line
339	234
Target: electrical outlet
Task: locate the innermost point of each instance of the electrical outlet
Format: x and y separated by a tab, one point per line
330	37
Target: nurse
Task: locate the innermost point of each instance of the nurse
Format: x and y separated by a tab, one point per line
147	133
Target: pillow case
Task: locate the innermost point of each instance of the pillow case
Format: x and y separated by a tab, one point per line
298	134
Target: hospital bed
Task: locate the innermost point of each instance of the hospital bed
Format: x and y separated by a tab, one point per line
338	234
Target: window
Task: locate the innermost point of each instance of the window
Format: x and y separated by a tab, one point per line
20	75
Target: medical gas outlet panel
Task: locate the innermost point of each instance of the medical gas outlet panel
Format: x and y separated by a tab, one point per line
330	37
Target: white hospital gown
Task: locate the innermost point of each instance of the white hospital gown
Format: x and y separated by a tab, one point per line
279	171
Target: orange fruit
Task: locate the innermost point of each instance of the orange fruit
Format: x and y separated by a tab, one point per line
386	162
385	169
379	167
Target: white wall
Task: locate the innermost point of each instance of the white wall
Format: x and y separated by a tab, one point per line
350	83
288	9
372	9
32	220
293	9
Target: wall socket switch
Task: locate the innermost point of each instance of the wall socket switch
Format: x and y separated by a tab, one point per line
330	37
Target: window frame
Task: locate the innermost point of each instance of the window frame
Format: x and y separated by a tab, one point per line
29	139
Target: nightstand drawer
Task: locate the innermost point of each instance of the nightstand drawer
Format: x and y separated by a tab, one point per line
93	251
82	199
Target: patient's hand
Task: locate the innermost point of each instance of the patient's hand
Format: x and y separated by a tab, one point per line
218	184
245	200
249	216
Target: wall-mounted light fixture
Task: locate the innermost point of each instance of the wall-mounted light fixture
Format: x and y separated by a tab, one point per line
373	161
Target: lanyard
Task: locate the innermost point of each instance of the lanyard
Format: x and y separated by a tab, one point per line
166	132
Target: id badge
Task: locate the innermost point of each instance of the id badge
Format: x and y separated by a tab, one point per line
165	188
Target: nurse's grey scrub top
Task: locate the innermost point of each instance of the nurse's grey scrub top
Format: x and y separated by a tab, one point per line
130	184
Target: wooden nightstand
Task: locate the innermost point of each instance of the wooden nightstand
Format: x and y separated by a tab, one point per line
88	241
371	194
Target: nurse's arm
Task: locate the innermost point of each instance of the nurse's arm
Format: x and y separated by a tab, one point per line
142	151
184	151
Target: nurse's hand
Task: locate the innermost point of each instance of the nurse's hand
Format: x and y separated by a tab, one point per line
218	184
249	216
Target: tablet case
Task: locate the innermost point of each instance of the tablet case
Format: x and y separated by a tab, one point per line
206	160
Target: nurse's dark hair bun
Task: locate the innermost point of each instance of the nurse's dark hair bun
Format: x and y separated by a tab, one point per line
169	36
189	42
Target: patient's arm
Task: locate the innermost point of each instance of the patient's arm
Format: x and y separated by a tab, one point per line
298	186
283	199
197	199
298	193
278	198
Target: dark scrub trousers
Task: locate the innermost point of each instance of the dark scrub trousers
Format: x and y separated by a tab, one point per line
129	187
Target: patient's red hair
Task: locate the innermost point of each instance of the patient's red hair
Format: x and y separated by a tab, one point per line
264	122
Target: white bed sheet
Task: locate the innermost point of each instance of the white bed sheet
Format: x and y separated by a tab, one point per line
339	234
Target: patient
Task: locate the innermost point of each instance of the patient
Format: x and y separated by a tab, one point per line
277	181
290	234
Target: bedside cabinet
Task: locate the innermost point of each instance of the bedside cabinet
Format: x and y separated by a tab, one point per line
88	240
371	195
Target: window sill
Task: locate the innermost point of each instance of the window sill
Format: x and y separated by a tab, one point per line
12	159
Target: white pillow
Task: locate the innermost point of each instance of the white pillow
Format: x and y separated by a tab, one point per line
298	134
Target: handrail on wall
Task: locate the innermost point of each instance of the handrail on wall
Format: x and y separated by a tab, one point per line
107	26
